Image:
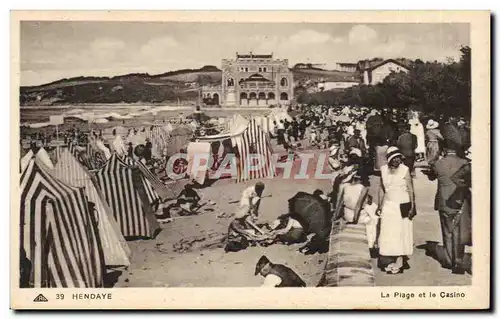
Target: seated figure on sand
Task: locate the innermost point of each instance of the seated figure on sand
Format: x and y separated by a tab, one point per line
188	199
242	233
287	230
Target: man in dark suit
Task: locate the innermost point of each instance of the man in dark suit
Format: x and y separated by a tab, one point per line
452	253
356	141
407	143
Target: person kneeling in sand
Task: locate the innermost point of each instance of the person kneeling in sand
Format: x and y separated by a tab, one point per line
188	199
241	234
287	230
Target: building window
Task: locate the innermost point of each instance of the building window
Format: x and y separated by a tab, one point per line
260	69
264	70
230	82
252	96
246	69
284	82
284	96
270	96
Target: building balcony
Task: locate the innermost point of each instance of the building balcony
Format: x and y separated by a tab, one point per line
250	86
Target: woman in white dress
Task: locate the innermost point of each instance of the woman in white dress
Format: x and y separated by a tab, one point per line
396	213
417	129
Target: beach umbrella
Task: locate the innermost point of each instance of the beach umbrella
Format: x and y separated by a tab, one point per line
311	212
139	150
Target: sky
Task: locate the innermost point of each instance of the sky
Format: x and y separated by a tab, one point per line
54	50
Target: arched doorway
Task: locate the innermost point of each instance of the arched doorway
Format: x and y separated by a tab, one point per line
262	98
243	98
271	96
215	99
252	98
284	96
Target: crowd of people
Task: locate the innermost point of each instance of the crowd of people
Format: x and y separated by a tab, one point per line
374	155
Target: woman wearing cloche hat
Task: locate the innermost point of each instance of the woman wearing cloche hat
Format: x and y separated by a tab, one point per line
396	212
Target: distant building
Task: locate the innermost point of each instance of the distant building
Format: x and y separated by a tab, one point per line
338	80
332	85
253	80
339	66
211	94
375	71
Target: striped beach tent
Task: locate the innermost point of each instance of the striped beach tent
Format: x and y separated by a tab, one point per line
161	190
159	140
264	123
146	178
58	233
253	141
124	191
80	153
248	138
95	156
70	171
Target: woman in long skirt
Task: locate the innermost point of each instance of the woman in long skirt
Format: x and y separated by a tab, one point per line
433	138
417	129
397	211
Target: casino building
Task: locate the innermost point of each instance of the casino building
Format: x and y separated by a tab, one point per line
253	80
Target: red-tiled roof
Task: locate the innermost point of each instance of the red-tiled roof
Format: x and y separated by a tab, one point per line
373	64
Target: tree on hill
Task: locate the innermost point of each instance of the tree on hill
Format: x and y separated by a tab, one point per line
432	87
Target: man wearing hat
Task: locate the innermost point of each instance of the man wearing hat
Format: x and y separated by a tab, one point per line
452	135
277	275
356	141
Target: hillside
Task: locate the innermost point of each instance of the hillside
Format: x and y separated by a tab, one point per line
130	88
170	87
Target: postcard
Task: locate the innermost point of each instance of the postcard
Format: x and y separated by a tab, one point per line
201	159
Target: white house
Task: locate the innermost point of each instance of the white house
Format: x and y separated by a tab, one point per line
331	85
374	74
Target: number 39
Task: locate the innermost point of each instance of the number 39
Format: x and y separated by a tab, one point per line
60	296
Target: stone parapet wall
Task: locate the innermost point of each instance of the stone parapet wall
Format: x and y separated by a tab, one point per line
348	262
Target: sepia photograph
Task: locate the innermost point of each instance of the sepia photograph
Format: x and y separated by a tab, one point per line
175	153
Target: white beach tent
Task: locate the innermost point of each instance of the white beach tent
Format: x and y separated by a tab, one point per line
41	155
